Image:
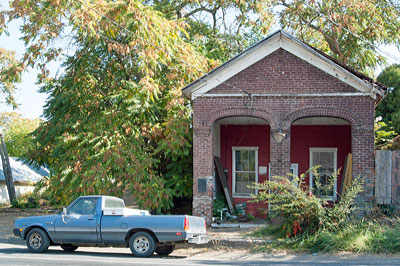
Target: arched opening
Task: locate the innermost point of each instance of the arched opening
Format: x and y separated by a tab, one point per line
324	141
243	145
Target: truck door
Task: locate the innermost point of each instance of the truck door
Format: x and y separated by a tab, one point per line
80	223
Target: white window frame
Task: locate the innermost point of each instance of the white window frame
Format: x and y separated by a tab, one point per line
294	169
234	194
334	150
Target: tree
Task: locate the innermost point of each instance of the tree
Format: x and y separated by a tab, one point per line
389	109
221	29
348	30
385	136
17	133
115	120
10	73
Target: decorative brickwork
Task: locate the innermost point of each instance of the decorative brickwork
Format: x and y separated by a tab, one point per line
281	72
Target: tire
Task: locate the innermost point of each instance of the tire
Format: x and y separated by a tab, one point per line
37	240
68	247
165	250
142	244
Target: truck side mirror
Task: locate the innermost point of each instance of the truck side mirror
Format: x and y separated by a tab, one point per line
64	213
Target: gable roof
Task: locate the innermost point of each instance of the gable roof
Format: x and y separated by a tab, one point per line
283	40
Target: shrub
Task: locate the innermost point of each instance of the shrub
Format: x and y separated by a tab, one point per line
219	204
28	200
302	210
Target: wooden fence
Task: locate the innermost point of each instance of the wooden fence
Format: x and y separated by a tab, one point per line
387	180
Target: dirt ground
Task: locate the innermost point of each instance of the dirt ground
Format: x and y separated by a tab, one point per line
7	218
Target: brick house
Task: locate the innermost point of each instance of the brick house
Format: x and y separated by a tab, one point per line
280	106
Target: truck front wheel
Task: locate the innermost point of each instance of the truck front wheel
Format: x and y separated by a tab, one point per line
142	244
37	240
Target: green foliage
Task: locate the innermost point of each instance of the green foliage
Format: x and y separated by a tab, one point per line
388	108
348	30
303	211
219	204
26	201
387	209
220	29
17	133
269	230
361	236
384	134
10	73
115	120
250	217
385	239
364	236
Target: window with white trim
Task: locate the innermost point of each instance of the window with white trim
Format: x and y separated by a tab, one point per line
326	158
294	171
244	170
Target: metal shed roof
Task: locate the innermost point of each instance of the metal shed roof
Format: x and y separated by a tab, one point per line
22	172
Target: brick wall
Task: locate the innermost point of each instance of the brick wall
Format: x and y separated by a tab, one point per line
281	72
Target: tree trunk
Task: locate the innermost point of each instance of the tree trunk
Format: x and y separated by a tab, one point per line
7	170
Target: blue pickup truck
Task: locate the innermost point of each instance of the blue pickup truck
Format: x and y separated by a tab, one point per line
105	221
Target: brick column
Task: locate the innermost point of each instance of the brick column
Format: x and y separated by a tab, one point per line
280	154
202	173
363	161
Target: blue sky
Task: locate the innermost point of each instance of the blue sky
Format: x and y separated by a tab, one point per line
32	102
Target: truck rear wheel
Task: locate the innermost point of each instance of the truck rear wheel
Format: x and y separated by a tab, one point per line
68	247
165	250
37	240
142	244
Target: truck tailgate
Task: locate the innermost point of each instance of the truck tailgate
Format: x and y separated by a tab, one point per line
196	225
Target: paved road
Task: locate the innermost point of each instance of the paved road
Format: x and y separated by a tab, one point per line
13	254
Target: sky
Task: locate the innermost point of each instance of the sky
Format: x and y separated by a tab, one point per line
27	95
31	102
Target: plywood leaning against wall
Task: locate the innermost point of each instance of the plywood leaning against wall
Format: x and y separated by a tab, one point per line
348	174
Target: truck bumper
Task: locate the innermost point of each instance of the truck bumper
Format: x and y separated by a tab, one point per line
201	239
16	232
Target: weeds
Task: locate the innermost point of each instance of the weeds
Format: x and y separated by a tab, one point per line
28	200
304	211
359	237
310	223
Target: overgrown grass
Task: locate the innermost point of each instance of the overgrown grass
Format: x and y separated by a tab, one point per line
270	231
362	236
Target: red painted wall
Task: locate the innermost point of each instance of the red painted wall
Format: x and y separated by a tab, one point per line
242	136
304	137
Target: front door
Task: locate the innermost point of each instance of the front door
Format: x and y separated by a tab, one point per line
79	225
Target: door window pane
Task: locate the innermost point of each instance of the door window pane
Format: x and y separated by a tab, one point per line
84	207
